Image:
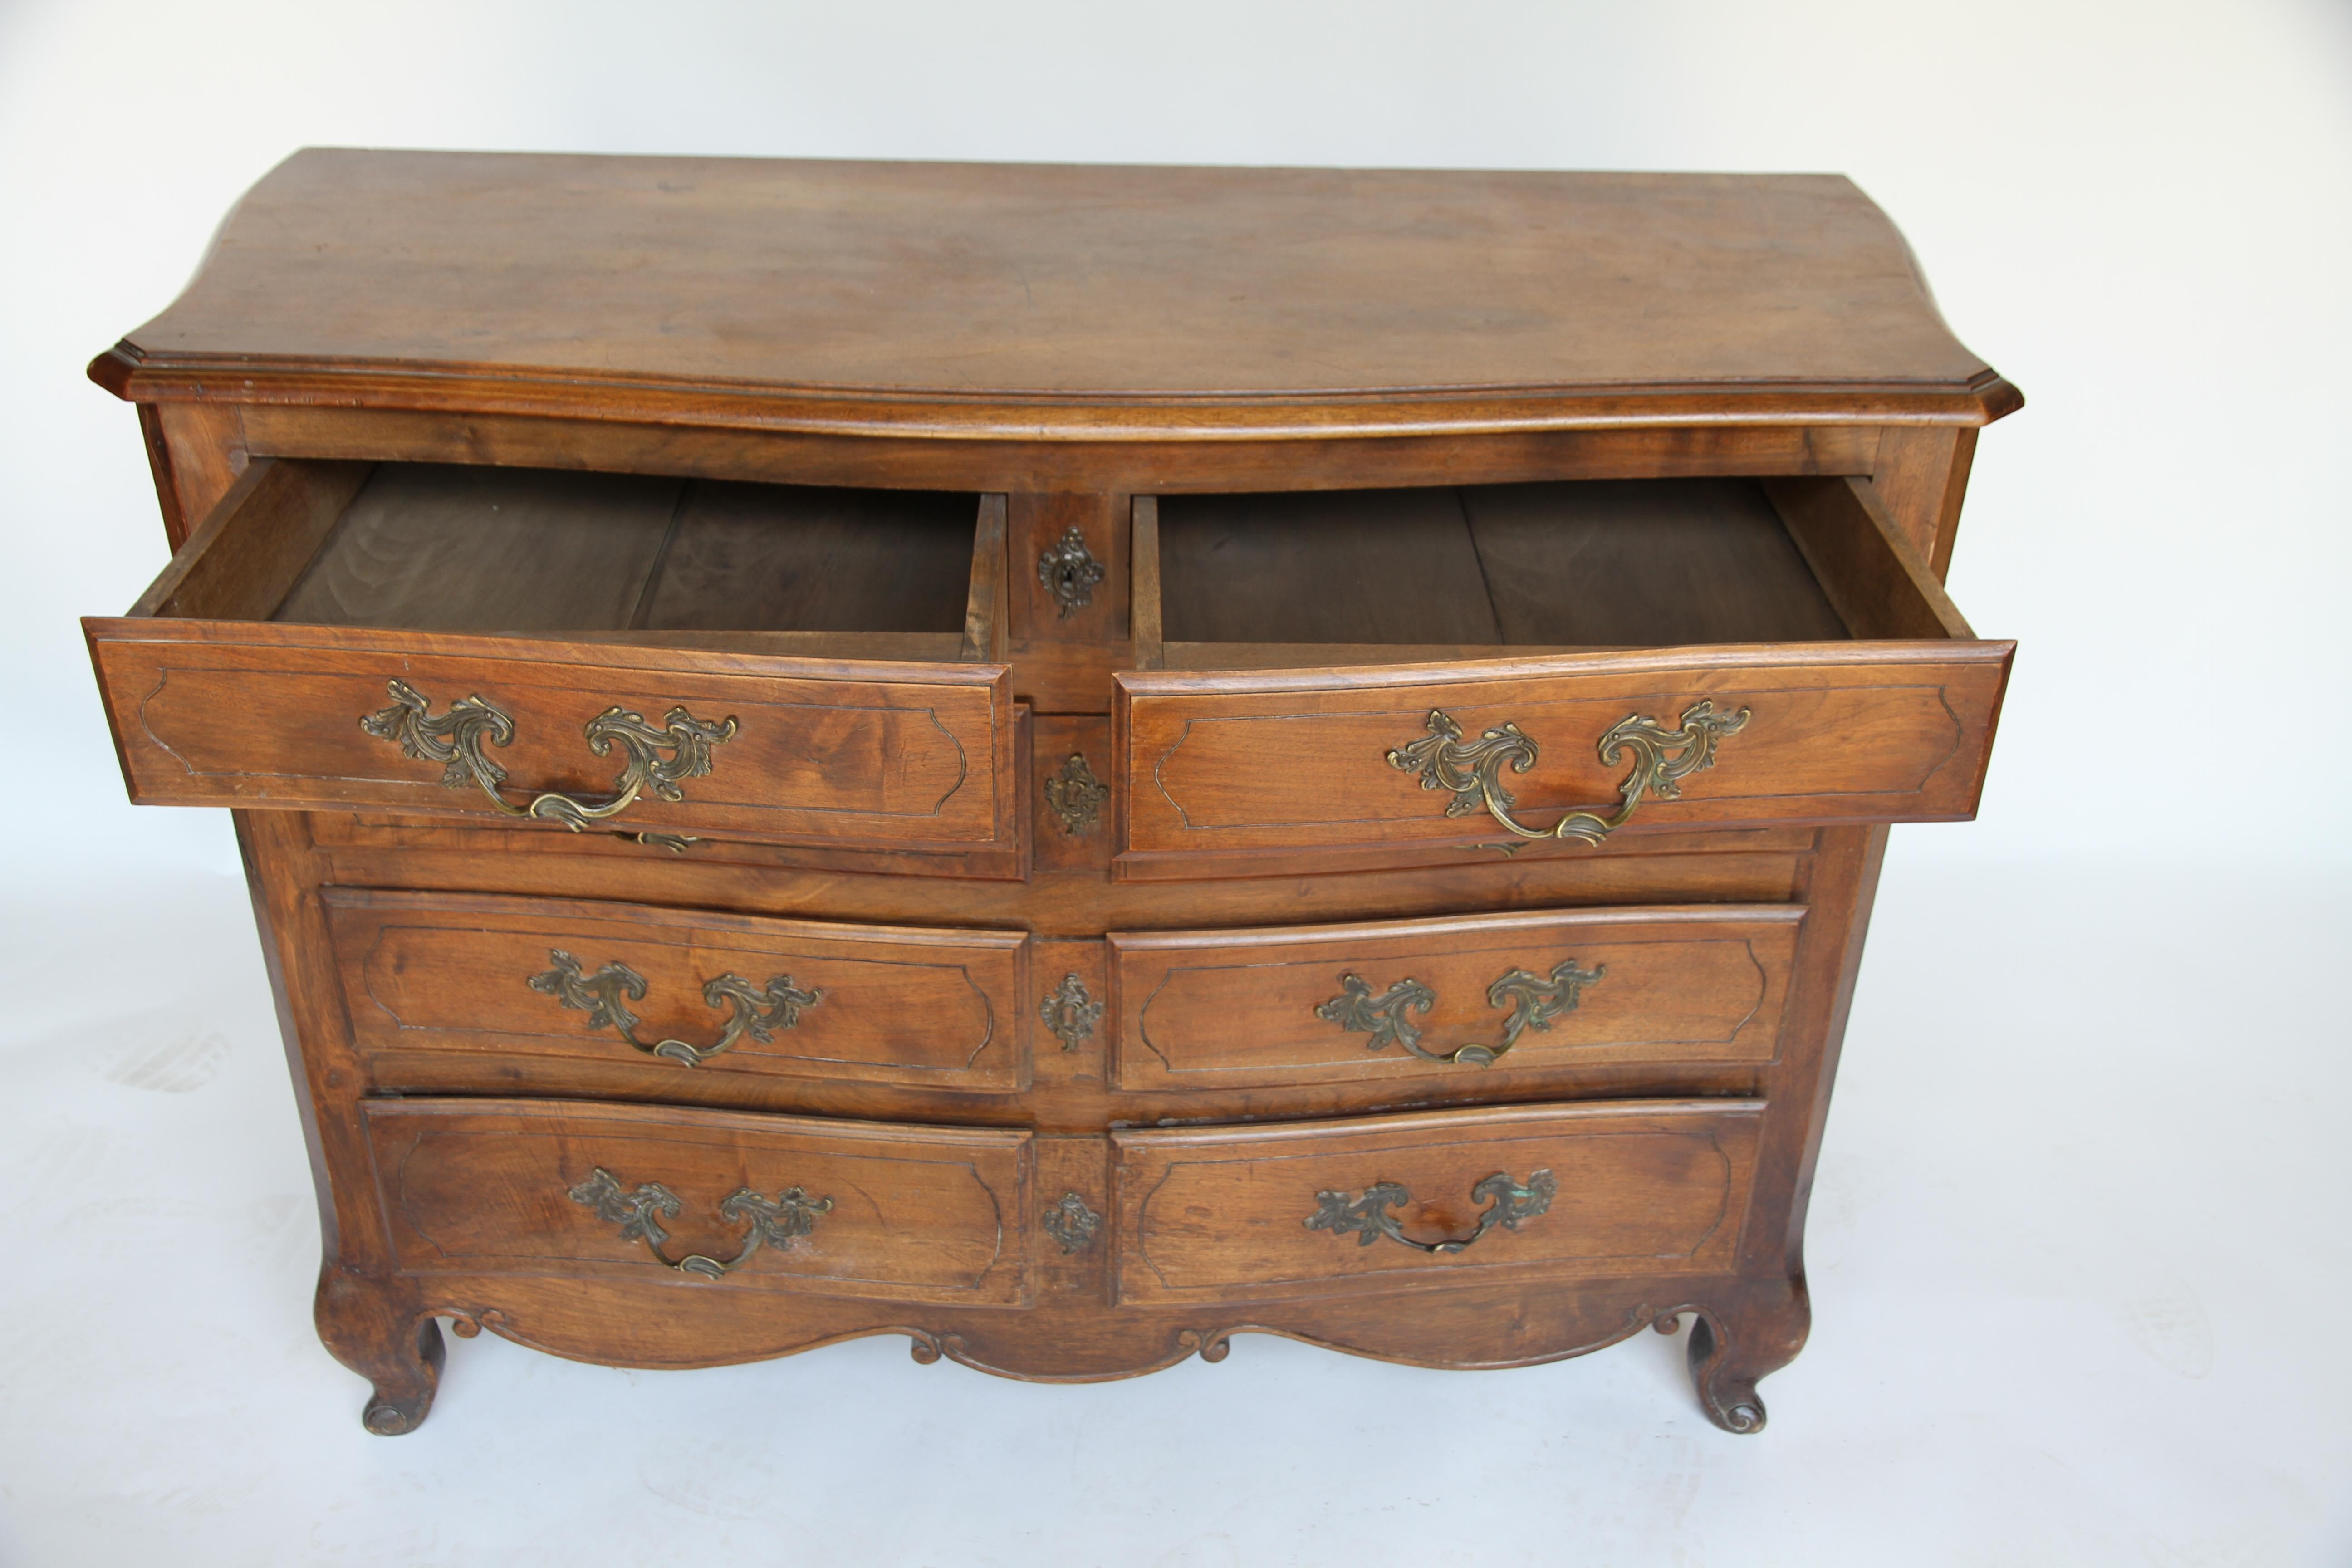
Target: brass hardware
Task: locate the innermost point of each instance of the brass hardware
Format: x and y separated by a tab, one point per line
605	996
1535	1003
1369	1219
454	740
1471	772
1069	572
1071	1223
1077	795
1070	1012
676	843
774	1222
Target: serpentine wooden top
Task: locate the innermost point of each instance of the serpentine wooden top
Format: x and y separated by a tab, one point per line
1017	301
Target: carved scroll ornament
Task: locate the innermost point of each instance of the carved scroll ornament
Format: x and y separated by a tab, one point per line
1471	770
606	996
1535	1003
1366	1216
772	1222
454	740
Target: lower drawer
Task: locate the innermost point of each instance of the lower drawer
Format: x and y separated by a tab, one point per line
705	1198
1217	1213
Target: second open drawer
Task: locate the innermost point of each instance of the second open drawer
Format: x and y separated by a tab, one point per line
1335	681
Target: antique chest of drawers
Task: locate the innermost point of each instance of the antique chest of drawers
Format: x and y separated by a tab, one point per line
1062	762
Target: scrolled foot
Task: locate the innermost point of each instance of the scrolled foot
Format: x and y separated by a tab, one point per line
401	1354
403	1399
1730	1351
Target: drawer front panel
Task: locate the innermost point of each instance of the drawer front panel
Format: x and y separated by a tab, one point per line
831	752
1406	1202
675	990
705	1199
1543	990
1263	764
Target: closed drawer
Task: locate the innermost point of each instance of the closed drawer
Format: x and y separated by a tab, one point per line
705	1198
1528	664
1414	999
579	650
1405	1202
677	990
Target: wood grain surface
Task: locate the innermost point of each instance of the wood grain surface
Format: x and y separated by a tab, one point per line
878	295
443	972
1219	763
1205	1009
210	713
919	1213
1220	1213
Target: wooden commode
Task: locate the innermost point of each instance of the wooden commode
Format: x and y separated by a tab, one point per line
1064	762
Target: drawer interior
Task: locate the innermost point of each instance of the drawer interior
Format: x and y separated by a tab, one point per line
1562	566
597	556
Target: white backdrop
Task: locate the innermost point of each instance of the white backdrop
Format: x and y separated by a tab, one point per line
2142	215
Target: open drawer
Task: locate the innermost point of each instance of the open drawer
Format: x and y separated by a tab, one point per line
1534	664
623	652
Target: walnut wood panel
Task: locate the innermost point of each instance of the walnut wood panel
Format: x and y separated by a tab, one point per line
1922	473
451	548
1052	301
203	451
208	713
1475	1324
452	973
1110	466
1214	765
1740	865
1350	566
1865	563
264	531
919	1213
1220	1214
1644	563
800	557
1196	1010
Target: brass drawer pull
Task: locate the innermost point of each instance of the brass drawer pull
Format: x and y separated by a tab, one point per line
1368	1217
606	996
454	740
1535	1003
774	1221
1663	758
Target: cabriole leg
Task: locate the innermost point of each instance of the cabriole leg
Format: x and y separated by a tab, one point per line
398	1351
1732	1349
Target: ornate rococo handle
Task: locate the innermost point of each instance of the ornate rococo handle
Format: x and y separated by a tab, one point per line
1367	1218
1535	1003
774	1222
1472	771
454	740
606	996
